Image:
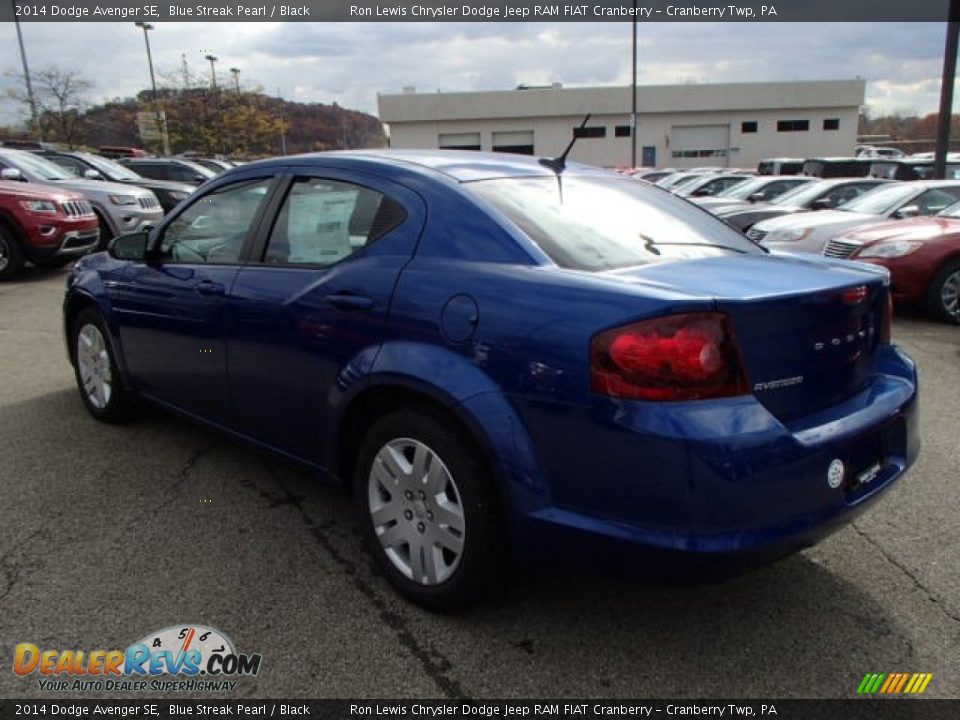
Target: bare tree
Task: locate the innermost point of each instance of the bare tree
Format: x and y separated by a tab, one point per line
60	97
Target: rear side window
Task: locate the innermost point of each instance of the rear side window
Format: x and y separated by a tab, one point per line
325	221
150	170
602	223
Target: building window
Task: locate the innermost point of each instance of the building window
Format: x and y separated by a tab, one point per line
831	124
597	131
706	153
458	141
621	131
519	142
793	125
749	126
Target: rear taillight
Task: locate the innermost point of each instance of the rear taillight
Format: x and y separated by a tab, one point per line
887	319
678	357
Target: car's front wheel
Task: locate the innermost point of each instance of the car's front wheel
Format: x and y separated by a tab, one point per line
11	256
428	510
943	295
95	366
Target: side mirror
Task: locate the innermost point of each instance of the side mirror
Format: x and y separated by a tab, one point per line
12	174
92	174
757	197
132	246
908	211
822	204
199	179
702	192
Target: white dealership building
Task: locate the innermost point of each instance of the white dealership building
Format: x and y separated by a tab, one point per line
726	124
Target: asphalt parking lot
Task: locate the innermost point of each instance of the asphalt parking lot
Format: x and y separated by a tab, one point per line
108	533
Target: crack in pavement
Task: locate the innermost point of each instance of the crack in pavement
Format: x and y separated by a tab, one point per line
937	601
184	473
436	665
11	570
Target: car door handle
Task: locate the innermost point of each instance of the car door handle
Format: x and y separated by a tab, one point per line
208	287
348	301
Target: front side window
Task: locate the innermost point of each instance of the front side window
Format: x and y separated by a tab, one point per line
213	229
325	221
602	223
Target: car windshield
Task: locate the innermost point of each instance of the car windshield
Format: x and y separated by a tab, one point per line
803	195
880	201
743	190
109	169
602	223
43	169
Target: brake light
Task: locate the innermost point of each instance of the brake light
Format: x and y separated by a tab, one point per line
854	296
887	320
692	356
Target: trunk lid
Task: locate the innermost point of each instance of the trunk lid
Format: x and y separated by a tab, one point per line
807	330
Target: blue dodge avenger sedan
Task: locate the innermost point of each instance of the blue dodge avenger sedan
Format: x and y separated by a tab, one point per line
508	359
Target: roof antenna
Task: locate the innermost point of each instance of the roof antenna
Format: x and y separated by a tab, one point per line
558	164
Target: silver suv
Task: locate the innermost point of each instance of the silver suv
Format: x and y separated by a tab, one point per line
119	208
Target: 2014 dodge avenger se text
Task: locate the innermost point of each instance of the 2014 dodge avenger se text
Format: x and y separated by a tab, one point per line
508	359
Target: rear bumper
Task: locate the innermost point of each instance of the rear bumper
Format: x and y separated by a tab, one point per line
714	483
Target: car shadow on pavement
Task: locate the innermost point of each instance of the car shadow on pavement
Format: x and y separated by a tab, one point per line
796	628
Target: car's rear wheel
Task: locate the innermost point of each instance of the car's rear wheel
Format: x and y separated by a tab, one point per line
11	255
98	377
943	295
428	510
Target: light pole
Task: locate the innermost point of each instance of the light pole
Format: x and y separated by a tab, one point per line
213	69
946	91
236	79
633	94
161	120
26	73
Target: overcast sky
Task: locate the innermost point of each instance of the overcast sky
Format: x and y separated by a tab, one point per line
349	63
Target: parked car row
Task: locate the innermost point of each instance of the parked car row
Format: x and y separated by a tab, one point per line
57	204
910	228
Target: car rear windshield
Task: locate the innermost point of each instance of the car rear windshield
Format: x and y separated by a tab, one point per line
602	223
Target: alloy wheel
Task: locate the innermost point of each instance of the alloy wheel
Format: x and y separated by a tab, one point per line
93	361
416	511
950	294
4	253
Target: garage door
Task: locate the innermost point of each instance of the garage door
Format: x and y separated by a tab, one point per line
699	145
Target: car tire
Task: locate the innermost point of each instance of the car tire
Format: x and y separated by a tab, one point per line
943	294
428	510
95	367
106	234
11	255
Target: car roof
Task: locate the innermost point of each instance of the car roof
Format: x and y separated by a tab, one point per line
460	165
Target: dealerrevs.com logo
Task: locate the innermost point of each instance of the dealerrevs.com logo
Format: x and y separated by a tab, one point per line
205	658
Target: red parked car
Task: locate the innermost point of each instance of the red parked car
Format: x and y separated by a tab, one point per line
43	225
922	255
